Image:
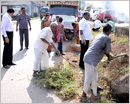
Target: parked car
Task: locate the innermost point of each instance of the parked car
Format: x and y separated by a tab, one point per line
93	13
43	12
107	15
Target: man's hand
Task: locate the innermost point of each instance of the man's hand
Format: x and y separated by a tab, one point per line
83	39
83	42
110	58
57	51
7	40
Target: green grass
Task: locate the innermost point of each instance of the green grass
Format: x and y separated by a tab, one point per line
124	39
35	18
60	78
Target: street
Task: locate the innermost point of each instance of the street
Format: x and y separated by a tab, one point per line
16	82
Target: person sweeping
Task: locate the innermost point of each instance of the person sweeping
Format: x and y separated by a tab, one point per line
44	39
101	45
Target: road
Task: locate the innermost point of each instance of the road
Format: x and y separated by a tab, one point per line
16	82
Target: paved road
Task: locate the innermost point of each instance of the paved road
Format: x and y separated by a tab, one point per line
16	84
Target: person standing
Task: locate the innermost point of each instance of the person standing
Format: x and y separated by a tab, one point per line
101	45
7	32
85	35
41	44
80	14
46	23
23	20
60	35
76	32
55	35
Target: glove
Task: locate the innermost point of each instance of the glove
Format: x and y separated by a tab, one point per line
83	39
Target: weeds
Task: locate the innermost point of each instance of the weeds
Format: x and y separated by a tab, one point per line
60	78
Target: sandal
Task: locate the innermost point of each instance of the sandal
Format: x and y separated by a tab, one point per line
35	74
84	100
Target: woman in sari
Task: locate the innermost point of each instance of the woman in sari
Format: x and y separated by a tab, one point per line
46	23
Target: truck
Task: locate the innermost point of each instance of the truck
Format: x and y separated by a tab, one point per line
68	10
43	11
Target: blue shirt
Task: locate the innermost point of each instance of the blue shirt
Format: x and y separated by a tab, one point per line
100	45
23	21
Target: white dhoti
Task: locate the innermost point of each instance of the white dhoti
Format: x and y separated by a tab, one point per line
41	61
91	77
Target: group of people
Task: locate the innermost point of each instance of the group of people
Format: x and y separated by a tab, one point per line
54	31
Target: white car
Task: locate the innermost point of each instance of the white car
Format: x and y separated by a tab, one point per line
93	13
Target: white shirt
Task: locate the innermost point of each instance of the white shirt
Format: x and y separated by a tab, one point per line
84	26
45	33
97	24
80	13
7	24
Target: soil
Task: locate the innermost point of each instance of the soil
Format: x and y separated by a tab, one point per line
110	68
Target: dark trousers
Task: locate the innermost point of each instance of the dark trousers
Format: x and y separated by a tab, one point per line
84	48
8	50
60	47
25	32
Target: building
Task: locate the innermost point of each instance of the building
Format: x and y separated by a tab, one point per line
32	7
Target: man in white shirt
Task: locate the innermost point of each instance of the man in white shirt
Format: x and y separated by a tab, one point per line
80	14
44	39
7	32
85	35
97	25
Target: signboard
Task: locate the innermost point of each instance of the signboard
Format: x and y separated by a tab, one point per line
73	3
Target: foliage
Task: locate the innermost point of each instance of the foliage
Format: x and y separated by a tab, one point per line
60	77
106	97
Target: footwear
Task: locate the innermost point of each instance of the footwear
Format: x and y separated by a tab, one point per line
27	48
6	66
63	54
21	49
99	88
36	74
81	67
12	63
84	100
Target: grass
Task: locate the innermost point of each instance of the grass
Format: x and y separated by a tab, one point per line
59	78
124	39
35	18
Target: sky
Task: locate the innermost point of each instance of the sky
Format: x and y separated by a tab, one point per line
122	6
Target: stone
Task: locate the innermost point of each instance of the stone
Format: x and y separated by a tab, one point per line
120	89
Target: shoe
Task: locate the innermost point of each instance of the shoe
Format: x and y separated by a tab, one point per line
12	63
21	49
63	54
81	67
27	48
99	88
84	100
6	66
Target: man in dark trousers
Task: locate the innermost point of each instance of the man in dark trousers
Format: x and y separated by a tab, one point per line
7	32
85	35
23	20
